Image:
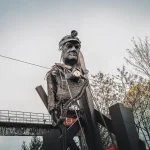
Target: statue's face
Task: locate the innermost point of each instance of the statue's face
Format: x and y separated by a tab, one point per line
71	52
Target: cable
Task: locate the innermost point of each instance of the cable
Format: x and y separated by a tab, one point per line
24	62
84	139
110	135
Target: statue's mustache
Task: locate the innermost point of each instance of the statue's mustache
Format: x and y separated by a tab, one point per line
73	53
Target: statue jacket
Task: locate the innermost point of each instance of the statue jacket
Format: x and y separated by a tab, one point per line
60	85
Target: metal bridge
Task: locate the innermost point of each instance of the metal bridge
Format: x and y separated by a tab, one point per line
17	123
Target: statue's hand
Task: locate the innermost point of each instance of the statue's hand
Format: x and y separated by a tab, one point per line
51	108
53	114
56	117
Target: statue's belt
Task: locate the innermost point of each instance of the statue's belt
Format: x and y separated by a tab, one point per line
69	121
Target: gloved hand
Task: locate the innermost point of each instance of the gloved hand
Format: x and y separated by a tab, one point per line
54	116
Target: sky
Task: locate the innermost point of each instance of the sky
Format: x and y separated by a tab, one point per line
30	30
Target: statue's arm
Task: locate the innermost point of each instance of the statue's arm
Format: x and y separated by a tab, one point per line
52	88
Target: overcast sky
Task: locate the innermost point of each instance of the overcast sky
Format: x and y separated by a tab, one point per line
31	29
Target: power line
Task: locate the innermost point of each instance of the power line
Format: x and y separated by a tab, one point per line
24	62
27	62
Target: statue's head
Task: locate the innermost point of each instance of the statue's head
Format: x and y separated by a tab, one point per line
70	47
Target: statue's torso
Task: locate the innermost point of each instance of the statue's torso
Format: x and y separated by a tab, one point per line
66	87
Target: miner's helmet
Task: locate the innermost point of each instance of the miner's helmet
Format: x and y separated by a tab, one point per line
72	37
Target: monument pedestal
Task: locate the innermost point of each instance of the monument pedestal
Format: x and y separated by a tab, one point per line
124	127
51	140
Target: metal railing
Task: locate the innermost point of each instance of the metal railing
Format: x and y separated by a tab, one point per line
24	117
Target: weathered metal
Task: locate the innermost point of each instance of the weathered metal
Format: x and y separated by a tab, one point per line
104	121
65	81
42	95
91	129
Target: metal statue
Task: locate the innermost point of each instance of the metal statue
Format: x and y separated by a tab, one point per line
70	99
66	82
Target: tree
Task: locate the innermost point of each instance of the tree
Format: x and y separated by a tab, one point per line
138	100
105	93
138	97
110	89
139	56
130	89
24	146
35	144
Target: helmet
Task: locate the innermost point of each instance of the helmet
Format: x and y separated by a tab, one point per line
71	37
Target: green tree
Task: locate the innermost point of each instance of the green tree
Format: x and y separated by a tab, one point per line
35	144
24	146
138	100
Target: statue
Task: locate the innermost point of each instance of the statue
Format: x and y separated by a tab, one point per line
70	98
70	101
66	82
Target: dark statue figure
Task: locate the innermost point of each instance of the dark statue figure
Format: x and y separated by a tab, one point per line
70	98
65	81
